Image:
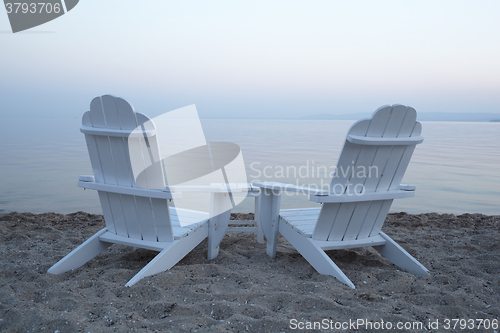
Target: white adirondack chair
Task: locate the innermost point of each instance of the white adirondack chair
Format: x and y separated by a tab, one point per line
137	213
356	205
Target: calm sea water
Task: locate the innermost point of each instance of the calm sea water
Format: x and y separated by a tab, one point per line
456	169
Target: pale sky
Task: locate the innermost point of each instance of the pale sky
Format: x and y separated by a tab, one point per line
256	58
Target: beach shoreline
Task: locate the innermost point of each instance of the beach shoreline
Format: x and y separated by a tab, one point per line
243	290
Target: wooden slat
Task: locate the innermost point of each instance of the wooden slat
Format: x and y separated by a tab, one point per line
361	140
305	228
393	128
326	217
144	244
98	174
154	219
394	158
357	177
157	224
142	222
92	149
96	113
154	173
123	175
117	145
115	203
384	210
405	159
147	220
136	191
143	204
347	158
128	119
371	216
376	130
197	215
131	218
285	211
104	115
162	220
278	187
357	220
105	157
342	220
378	165
383	157
137	162
129	133
299	212
349	154
299	218
409	123
102	143
349	244
106	211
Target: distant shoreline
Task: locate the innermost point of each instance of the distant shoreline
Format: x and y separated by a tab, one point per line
422	116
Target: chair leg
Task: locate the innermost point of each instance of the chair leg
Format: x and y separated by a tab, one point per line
313	254
217	226
399	257
171	254
260	233
220	213
268	217
258	225
272	243
79	256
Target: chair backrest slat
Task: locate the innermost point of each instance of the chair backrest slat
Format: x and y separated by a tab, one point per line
95	161
405	159
153	176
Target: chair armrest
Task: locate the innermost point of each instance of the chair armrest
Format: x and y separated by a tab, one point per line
171	192
136	191
371	141
90	179
282	187
358	197
405	187
83	181
215	188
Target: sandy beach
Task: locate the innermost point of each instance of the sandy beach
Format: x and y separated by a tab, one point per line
243	290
